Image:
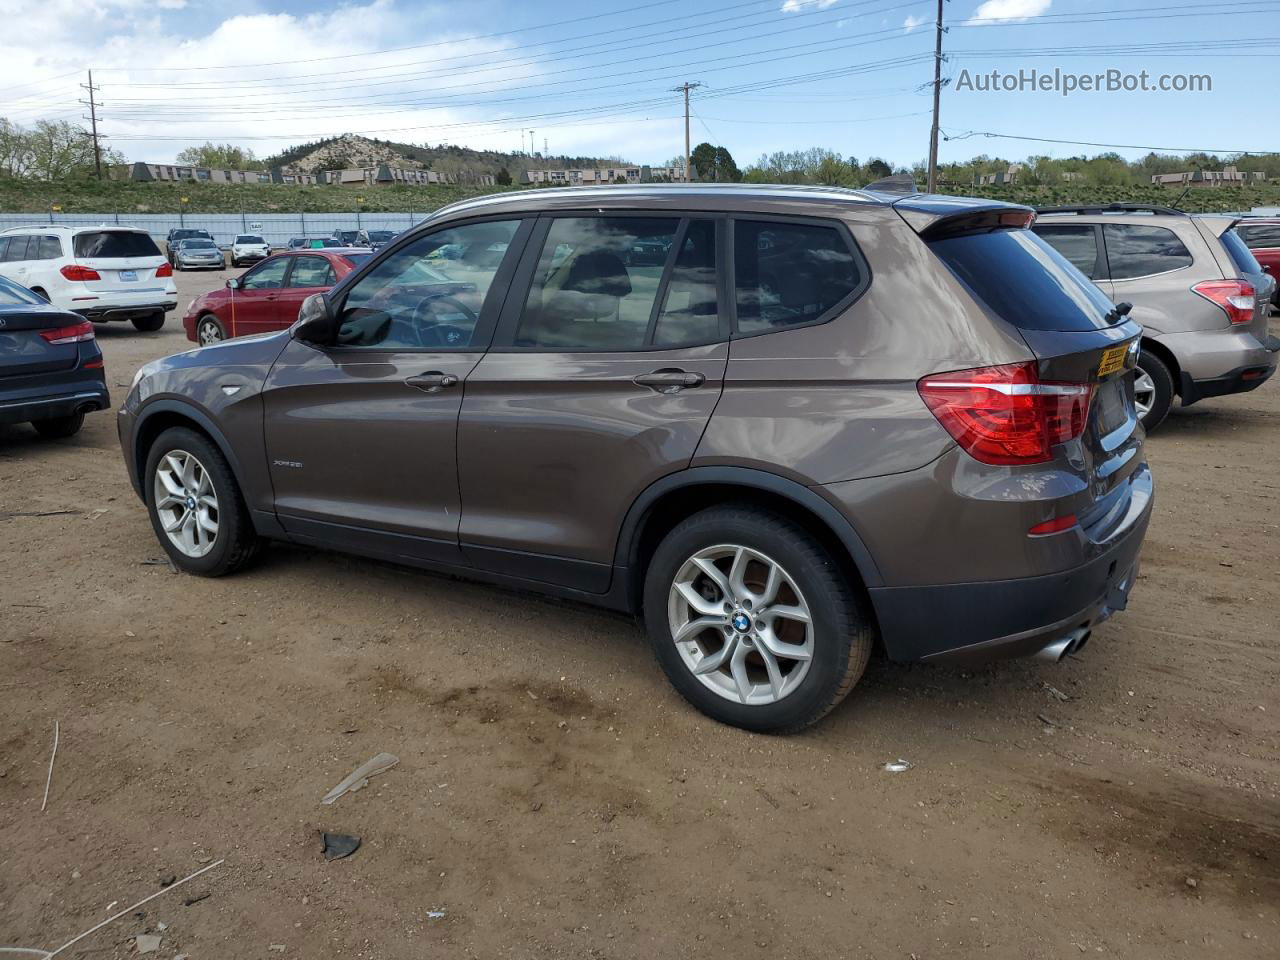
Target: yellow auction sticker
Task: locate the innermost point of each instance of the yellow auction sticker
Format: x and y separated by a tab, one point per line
1112	360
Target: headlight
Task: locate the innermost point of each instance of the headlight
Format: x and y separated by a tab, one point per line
143	371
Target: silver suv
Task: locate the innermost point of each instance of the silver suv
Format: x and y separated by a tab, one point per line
1199	294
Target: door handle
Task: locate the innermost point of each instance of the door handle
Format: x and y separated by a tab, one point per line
669	380
433	381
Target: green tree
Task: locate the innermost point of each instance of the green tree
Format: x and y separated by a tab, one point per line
218	156
502	177
876	169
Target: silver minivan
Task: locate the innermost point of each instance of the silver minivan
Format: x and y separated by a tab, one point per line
1199	294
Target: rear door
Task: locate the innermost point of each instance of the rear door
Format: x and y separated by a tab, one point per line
126	262
602	379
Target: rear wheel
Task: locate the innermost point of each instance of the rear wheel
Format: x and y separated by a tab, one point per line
753	620
150	323
209	330
56	428
195	505
1152	390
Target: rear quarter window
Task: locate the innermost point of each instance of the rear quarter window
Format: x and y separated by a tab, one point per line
112	244
1024	280
1240	255
1261	236
1138	250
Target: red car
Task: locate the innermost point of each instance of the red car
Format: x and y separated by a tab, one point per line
267	297
1262	236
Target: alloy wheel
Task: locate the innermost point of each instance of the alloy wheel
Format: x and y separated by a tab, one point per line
1144	392
741	624
208	332
186	503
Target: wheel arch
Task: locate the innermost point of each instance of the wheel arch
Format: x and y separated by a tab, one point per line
669	500
1165	355
159	416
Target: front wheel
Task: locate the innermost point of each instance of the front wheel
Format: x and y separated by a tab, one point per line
753	620
150	323
1152	390
195	505
209	330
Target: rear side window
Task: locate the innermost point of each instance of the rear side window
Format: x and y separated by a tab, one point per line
311	272
112	244
1078	242
1244	260
1262	236
50	248
790	273
1024	280
1137	250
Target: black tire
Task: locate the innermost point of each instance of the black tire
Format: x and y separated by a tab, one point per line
236	541
209	318
1162	381
59	428
843	630
150	323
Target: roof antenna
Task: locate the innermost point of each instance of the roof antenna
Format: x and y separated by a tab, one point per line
1185	191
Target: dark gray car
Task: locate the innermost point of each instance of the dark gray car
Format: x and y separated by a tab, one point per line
51	371
826	419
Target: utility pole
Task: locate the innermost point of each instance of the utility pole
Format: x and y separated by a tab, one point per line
91	103
685	88
937	96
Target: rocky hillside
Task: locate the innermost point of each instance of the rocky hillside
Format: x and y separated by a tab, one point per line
350	150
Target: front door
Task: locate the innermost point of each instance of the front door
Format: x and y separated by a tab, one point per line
361	434
253	303
602	379
308	274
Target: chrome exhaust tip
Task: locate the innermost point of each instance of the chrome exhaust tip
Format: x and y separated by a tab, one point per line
1064	646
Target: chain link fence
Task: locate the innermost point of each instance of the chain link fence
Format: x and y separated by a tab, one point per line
275	228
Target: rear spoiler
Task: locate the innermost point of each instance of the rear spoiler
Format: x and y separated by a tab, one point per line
933	216
1219	223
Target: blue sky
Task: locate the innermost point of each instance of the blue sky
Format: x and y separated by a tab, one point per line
850	75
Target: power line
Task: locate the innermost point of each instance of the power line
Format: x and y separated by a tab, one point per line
1118	146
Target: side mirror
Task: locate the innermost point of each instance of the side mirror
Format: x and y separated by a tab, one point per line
316	322
233	283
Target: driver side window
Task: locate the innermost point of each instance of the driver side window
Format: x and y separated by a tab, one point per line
428	294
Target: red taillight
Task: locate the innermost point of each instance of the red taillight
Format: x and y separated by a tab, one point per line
165	270
1056	525
1005	414
73	271
1237	297
94	364
72	334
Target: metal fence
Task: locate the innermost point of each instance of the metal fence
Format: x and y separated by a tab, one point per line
275	228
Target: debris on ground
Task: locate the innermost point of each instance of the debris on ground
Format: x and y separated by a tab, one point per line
435	914
147	942
360	777
277	947
898	766
1055	692
339	845
1192	882
192	901
49	779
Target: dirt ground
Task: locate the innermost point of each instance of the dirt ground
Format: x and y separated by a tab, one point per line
555	798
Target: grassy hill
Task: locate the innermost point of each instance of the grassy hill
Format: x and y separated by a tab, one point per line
90	196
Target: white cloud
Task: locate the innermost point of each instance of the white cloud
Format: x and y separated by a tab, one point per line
793	6
911	23
1006	11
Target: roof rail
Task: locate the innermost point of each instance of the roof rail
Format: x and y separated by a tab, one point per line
1115	208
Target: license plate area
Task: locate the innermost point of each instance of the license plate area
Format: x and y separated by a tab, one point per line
128	275
1110	405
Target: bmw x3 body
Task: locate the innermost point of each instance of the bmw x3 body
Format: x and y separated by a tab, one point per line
822	419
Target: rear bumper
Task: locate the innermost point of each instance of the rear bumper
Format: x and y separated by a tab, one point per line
66	401
103	313
981	621
1240	380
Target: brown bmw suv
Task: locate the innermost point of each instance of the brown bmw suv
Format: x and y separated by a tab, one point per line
780	424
